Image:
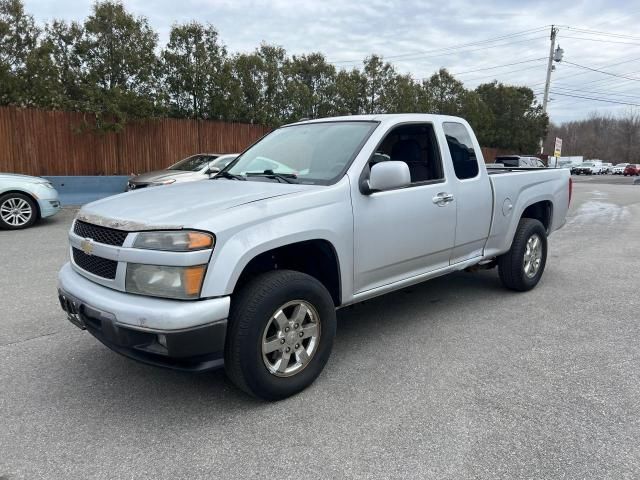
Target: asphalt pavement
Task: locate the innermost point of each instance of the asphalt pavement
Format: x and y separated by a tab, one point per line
454	379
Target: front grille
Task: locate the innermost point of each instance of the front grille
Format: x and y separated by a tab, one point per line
102	267
108	236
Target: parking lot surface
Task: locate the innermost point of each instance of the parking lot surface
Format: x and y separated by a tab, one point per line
455	378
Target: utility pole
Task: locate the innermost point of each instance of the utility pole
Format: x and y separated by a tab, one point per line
545	100
554	32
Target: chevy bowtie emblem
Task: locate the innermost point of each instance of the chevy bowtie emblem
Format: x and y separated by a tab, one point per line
87	246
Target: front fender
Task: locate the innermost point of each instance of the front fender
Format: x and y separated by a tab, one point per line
331	221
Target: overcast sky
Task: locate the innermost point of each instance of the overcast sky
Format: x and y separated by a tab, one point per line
413	35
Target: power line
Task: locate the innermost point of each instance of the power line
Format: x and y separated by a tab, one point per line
596	92
601	71
595	99
502	74
499	66
597	32
586	73
601	40
454	47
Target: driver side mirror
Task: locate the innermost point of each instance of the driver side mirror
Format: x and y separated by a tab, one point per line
213	171
387	176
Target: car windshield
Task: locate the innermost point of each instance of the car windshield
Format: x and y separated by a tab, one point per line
621	165
194	163
312	153
587	164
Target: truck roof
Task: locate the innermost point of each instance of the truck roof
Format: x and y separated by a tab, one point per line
388	118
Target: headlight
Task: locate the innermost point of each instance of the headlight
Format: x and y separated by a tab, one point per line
48	184
183	283
164	182
178	241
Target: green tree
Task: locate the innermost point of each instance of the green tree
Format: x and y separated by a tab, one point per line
519	121
351	88
194	66
446	94
18	39
245	88
310	86
55	68
401	95
273	104
117	51
379	76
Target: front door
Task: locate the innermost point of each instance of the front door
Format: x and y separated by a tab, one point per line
401	233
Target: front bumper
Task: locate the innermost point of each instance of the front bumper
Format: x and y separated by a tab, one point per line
49	207
184	335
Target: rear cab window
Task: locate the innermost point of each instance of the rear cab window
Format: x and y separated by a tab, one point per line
463	155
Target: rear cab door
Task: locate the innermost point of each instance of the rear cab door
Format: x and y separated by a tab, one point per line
471	187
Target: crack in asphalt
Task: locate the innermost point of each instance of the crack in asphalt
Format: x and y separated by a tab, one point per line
27	340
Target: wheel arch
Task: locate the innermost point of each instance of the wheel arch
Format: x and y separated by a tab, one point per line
542	211
316	257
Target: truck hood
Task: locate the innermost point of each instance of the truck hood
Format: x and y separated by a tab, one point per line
179	205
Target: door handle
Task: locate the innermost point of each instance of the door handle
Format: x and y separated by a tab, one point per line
442	198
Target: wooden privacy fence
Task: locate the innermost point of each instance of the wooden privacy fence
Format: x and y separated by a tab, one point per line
38	142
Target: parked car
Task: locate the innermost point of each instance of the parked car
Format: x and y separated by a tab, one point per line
631	169
24	199
195	167
514	161
619	168
606	168
585	168
246	270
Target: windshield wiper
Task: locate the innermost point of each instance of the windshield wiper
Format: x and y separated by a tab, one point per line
230	176
281	177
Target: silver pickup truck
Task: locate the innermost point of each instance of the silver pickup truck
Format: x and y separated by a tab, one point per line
246	270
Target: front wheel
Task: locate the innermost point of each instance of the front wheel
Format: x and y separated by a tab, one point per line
280	334
17	211
522	266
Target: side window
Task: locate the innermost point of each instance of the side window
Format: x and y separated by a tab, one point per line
416	145
465	161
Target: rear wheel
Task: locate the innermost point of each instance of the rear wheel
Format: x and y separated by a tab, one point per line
280	334
17	211
522	266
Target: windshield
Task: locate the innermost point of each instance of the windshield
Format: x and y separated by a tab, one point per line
587	164
194	163
622	165
315	153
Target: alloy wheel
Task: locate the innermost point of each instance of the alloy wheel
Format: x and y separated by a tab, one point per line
532	256
16	212
291	338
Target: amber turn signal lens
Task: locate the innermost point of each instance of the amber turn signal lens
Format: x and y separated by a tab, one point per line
199	240
193	277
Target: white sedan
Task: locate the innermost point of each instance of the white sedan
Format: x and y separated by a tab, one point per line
24	199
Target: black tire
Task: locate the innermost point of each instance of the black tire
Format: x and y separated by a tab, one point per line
511	264
20	197
251	310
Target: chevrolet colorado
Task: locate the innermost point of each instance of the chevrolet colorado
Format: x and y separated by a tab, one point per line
246	270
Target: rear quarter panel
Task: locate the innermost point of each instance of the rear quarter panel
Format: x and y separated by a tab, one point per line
521	189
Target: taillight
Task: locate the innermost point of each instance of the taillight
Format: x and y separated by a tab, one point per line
570	189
